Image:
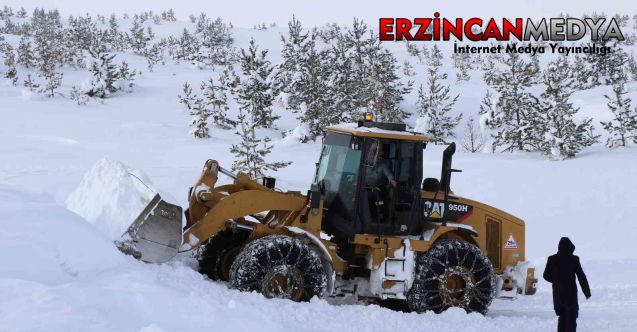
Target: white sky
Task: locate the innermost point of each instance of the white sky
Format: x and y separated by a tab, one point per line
246	13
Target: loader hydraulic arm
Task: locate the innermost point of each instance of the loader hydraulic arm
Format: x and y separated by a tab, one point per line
211	207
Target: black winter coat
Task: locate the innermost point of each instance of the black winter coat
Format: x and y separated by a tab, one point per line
561	270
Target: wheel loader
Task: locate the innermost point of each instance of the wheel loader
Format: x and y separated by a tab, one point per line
368	227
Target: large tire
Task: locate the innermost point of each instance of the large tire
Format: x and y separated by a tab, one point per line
279	266
452	273
217	254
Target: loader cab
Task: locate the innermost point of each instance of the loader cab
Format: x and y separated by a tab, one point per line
351	175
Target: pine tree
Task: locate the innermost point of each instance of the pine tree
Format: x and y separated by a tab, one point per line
250	153
473	140
78	96
623	127
22	13
408	69
53	81
216	100
187	98
216	41
462	62
188	48
254	92
104	76
383	89
30	84
138	39
517	109
126	77
153	55
563	137
345	91
199	121
25	52
314	91
10	72
293	53
617	61
198	111
434	104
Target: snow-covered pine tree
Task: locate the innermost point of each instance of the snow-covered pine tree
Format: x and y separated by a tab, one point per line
153	55
293	53
254	92
216	100
250	153
632	67
78	96
25	52
104	75
473	140
383	88
199	120
137	39
408	69
623	127
314	91
434	104
10	71
22	13
188	48
47	35
488	70
216	41
358	44
563	137
187	98
126	77
584	79
53	80
617	61
435	58
198	111
462	62
344	94
30	84
518	128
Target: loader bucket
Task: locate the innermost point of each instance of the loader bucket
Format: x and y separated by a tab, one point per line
155	235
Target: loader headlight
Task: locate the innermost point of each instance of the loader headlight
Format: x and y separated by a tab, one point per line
368	117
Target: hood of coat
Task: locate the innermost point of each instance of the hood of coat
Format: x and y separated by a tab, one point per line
566	246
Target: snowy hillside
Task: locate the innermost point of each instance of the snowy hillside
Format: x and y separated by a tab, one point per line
61	273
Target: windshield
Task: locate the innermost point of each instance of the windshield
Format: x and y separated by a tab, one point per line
338	172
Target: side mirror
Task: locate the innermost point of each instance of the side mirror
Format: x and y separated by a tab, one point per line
371	155
431	184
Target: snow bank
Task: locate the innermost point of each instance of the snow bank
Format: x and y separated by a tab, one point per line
44	242
110	196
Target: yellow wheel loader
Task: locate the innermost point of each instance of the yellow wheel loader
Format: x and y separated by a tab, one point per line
369	227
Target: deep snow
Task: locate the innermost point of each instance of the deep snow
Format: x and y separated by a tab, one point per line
61	273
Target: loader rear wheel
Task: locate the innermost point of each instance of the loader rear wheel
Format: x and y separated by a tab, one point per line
452	273
279	266
216	256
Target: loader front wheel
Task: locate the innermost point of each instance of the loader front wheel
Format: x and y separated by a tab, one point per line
279	266
452	273
216	255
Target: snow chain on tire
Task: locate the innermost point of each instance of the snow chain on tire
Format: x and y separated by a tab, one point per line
452	273
279	266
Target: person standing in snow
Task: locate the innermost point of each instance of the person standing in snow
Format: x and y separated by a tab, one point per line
560	271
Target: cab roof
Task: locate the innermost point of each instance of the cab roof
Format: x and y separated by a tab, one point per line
354	129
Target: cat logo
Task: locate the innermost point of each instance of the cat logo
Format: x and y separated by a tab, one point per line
434	209
454	212
510	243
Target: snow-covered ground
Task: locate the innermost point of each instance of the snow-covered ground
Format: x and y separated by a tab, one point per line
60	273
